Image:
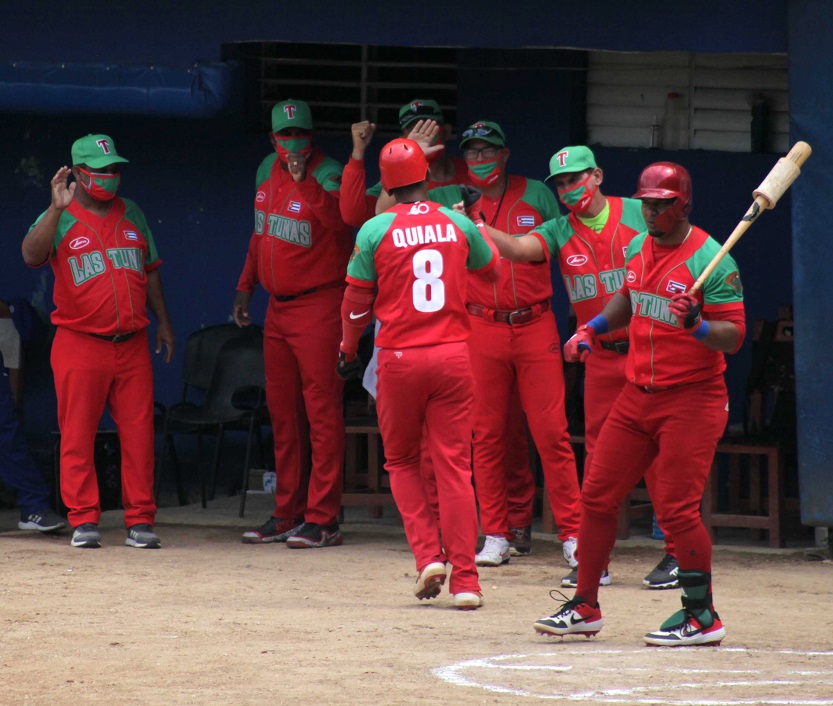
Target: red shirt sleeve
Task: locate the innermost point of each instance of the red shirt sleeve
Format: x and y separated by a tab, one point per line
355	204
323	203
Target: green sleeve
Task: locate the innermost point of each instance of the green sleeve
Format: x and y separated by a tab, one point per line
446	196
362	265
635	246
554	233
375	190
265	169
65	222
480	254
328	174
539	196
723	285
134	214
632	215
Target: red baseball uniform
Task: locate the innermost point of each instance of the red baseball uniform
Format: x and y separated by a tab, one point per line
418	254
672	411
515	341
100	267
298	252
591	258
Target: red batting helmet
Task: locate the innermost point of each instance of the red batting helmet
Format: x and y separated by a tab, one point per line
402	162
666	180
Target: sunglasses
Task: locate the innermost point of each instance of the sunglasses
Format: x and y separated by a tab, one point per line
484	131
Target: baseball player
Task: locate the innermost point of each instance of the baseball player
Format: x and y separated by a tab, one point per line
298	252
514	342
590	247
675	376
417	253
422	121
105	263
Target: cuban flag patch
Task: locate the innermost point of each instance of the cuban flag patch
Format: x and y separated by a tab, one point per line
294	206
131	235
526	221
675	287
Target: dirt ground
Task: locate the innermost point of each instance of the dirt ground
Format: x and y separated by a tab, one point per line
209	620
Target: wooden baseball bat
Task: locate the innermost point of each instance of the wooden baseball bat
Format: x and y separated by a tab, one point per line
772	188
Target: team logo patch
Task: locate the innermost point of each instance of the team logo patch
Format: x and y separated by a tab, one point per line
576	260
294	206
419	208
397	354
79	243
674	287
131	235
631	276
355	252
261	197
625	250
733	280
526	221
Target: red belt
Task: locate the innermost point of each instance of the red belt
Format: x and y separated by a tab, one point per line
511	318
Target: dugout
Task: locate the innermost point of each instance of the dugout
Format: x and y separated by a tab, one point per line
163	80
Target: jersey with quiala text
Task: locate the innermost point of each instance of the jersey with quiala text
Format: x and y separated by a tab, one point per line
100	266
662	353
522	207
419	254
593	264
299	240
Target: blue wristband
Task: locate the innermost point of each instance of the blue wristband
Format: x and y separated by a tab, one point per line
701	331
599	324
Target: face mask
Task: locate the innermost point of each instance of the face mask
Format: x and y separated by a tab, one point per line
102	187
577	198
285	146
484	174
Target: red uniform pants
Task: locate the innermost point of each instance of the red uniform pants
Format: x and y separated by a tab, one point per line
677	430
604	378
527	356
89	373
431	388
301	339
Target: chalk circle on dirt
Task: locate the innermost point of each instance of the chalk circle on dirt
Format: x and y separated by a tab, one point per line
690	676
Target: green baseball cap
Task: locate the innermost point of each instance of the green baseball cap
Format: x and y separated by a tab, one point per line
291	113
483	130
571	159
95	151
420	109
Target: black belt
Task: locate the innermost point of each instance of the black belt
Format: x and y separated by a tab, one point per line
621	347
512	318
117	338
290	297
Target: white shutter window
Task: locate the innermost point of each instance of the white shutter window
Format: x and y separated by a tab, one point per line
680	100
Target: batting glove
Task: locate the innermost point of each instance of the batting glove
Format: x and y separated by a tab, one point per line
580	345
687	310
472	202
349	369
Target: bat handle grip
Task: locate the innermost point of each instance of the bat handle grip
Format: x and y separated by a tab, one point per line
585	347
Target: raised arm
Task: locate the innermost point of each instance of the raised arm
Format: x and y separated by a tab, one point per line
37	245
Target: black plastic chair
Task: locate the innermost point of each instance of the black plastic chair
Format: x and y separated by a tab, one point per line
201	351
234	400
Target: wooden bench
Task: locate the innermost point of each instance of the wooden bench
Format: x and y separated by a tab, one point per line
366	484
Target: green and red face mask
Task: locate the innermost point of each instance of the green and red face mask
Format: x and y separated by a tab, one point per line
102	187
578	198
292	144
484	174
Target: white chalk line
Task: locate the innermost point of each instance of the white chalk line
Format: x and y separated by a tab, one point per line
453	674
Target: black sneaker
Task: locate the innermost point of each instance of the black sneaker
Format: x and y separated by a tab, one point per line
86	536
142	536
275	529
571	579
43	521
664	574
521	542
315	536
